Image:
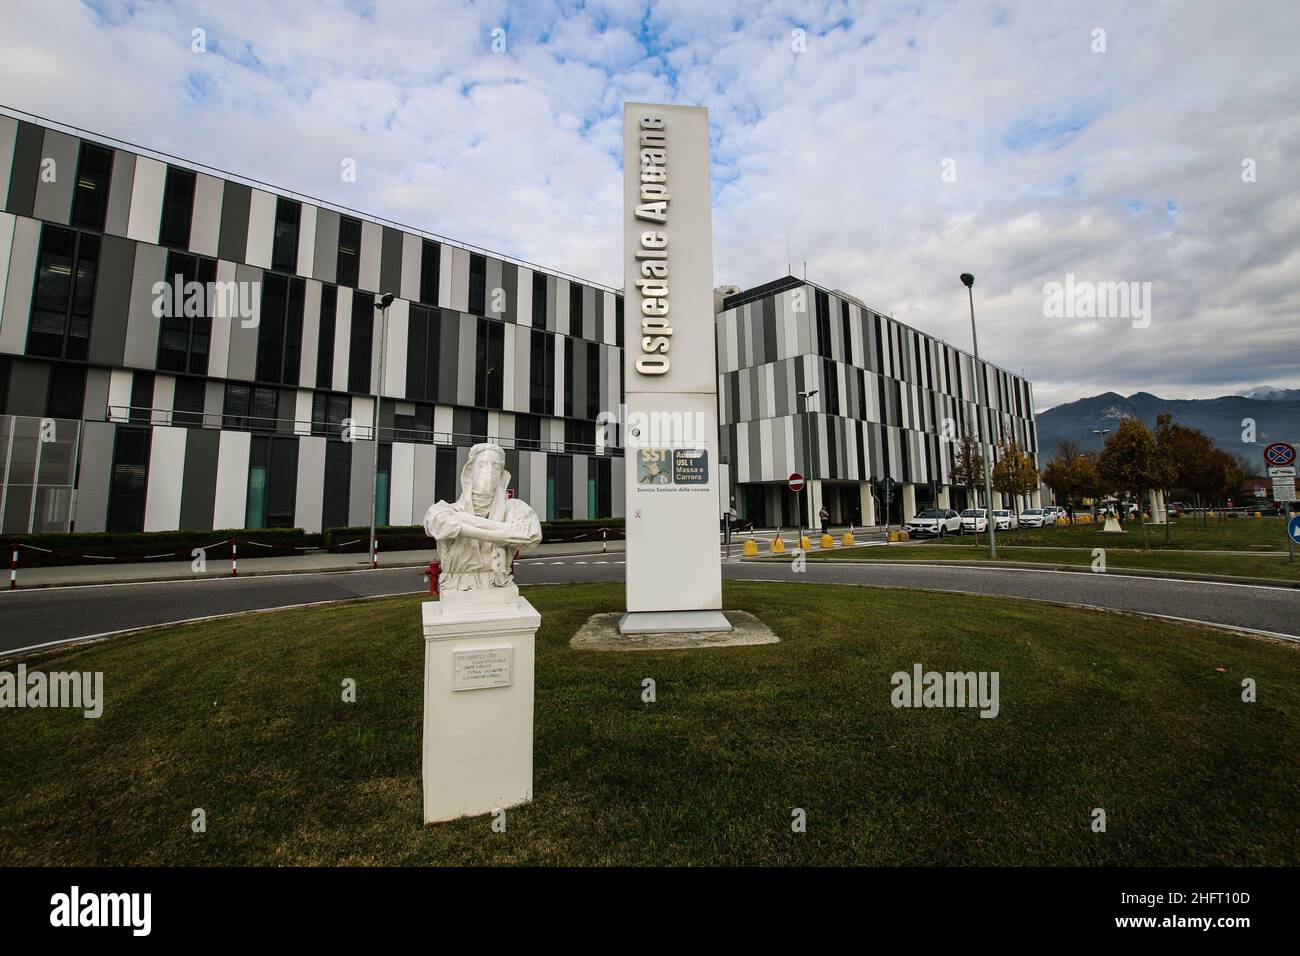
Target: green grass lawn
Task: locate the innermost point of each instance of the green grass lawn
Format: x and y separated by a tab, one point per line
1230	534
1243	564
243	718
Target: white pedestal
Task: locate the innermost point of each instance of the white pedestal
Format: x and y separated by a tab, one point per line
478	704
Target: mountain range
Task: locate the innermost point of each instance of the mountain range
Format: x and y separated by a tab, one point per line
1276	419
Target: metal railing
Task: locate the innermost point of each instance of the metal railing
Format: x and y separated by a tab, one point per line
357	431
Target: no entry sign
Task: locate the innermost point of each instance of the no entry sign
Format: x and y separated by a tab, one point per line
1279	454
796	482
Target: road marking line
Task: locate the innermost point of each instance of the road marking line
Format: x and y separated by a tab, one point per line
1013	597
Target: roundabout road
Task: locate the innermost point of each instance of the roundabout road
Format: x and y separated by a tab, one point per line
45	617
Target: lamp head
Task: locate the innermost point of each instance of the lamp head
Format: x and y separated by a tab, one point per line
967	279
385	301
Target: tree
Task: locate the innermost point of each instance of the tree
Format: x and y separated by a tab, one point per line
1129	463
1072	475
968	462
1015	472
1185	454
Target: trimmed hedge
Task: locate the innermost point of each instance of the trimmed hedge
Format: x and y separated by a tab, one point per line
72	548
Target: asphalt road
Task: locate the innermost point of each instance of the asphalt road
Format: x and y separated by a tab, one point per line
48	616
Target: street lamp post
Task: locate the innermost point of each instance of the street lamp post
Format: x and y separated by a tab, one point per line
807	445
968	280
382	305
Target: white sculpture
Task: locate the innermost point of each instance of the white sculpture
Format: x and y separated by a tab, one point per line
479	533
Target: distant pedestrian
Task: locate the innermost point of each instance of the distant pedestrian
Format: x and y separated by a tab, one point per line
825	517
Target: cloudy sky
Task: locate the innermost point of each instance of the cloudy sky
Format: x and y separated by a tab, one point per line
891	146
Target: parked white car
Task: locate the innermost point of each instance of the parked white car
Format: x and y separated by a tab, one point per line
975	519
1003	520
1051	513
1034	518
937	522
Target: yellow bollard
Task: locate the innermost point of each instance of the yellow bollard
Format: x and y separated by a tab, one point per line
1258	515
805	543
778	546
847	539
750	549
827	541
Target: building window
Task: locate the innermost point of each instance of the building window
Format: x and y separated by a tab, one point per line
593	381
618	324
272	482
489	356
430	263
477	283
329	302
349	266
422	354
284	250
177	208
279	334
183	338
361	344
539	300
579	435
90	196
187	402
141	409
128	480
559	487
328	413
575	311
248	407
67	391
66	266
568	377
528	432
541	374
478	425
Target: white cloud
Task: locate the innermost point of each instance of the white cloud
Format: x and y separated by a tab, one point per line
1066	159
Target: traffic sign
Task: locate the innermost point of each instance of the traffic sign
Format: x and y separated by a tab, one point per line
1284	489
796	482
1293	529
1279	454
1285	471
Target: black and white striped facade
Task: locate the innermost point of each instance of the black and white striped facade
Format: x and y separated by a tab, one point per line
883	390
220	420
116	417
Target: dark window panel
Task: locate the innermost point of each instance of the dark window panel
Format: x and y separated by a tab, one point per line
329	298
129	479
575	311
349	264
284	248
430	264
539	300
477	283
90	196
177	209
361	344
67	391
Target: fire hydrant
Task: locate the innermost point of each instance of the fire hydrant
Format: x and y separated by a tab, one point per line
433	571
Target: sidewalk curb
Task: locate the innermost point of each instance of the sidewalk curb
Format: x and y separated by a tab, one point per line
1077	568
226	576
